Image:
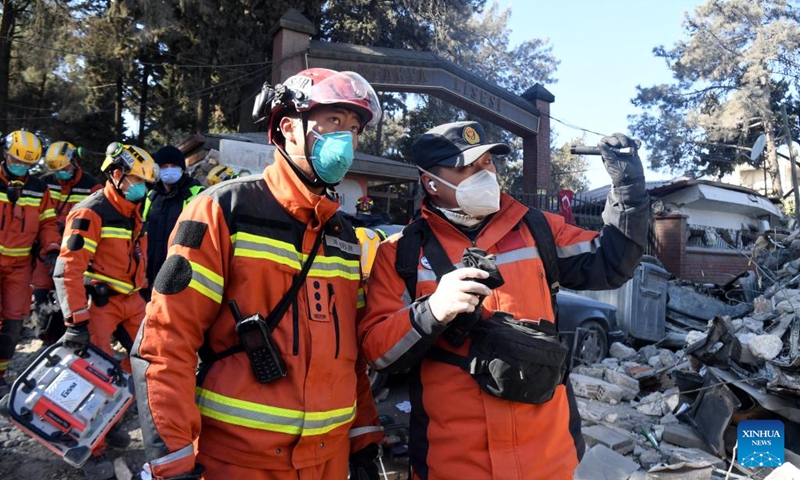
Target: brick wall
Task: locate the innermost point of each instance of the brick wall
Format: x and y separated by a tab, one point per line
705	265
670	232
701	265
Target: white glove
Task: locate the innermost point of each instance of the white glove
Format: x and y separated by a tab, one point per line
458	293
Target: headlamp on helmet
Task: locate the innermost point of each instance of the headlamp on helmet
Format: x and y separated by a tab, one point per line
131	160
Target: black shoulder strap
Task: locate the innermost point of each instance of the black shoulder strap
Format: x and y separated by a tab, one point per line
408	246
275	316
417	234
208	356
546	245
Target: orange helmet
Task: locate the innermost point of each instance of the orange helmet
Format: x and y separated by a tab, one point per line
312	87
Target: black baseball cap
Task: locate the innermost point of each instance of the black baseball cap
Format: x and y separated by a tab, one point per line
454	145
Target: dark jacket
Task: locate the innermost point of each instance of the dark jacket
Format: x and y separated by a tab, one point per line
161	211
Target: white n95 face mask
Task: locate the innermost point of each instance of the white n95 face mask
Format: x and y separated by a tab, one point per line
478	195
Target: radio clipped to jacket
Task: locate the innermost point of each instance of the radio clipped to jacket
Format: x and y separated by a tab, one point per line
262	352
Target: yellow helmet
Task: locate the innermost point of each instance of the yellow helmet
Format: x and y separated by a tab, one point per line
61	154
132	160
23	145
220	173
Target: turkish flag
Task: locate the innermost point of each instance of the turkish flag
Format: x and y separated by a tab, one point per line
565	198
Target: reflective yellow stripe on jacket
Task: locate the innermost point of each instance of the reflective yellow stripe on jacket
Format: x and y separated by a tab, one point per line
115	232
284	253
15	252
274	419
118	285
207	282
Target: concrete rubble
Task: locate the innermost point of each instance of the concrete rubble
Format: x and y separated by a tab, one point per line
736	357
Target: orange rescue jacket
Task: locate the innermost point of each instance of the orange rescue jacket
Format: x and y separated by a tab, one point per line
103	243
67	194
458	430
26	215
245	240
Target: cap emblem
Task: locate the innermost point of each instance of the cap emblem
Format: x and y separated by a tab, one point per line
471	136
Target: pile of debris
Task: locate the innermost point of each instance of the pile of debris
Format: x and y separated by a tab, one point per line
656	413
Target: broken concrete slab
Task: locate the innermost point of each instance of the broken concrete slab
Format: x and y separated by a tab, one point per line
594	412
621	351
688	301
658	404
694	456
649	458
630	386
588	387
681	471
612	438
589	371
602	463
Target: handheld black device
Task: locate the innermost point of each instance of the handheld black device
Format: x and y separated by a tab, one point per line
262	352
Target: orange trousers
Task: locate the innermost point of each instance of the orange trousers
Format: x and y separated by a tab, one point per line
333	469
120	317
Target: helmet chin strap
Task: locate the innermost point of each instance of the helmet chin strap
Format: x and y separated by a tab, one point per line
315	181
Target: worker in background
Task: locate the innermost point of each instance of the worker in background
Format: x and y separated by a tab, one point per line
27	216
219	173
367	215
165	202
104	254
262	281
69	184
474	415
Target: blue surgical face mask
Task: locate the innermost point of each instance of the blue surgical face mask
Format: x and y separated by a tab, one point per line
332	155
171	175
64	174
19	170
136	192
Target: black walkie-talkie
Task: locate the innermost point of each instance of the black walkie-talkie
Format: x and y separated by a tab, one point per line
265	358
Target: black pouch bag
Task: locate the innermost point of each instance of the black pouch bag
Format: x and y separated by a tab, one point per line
518	361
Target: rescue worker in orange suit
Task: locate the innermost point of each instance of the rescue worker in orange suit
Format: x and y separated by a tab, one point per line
104	247
69	184
484	437
26	216
103	253
247	241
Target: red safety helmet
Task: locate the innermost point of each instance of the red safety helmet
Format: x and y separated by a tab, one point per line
364	204
318	86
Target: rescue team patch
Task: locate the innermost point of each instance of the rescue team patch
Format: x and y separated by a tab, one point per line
80	224
75	242
174	276
190	234
346	247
